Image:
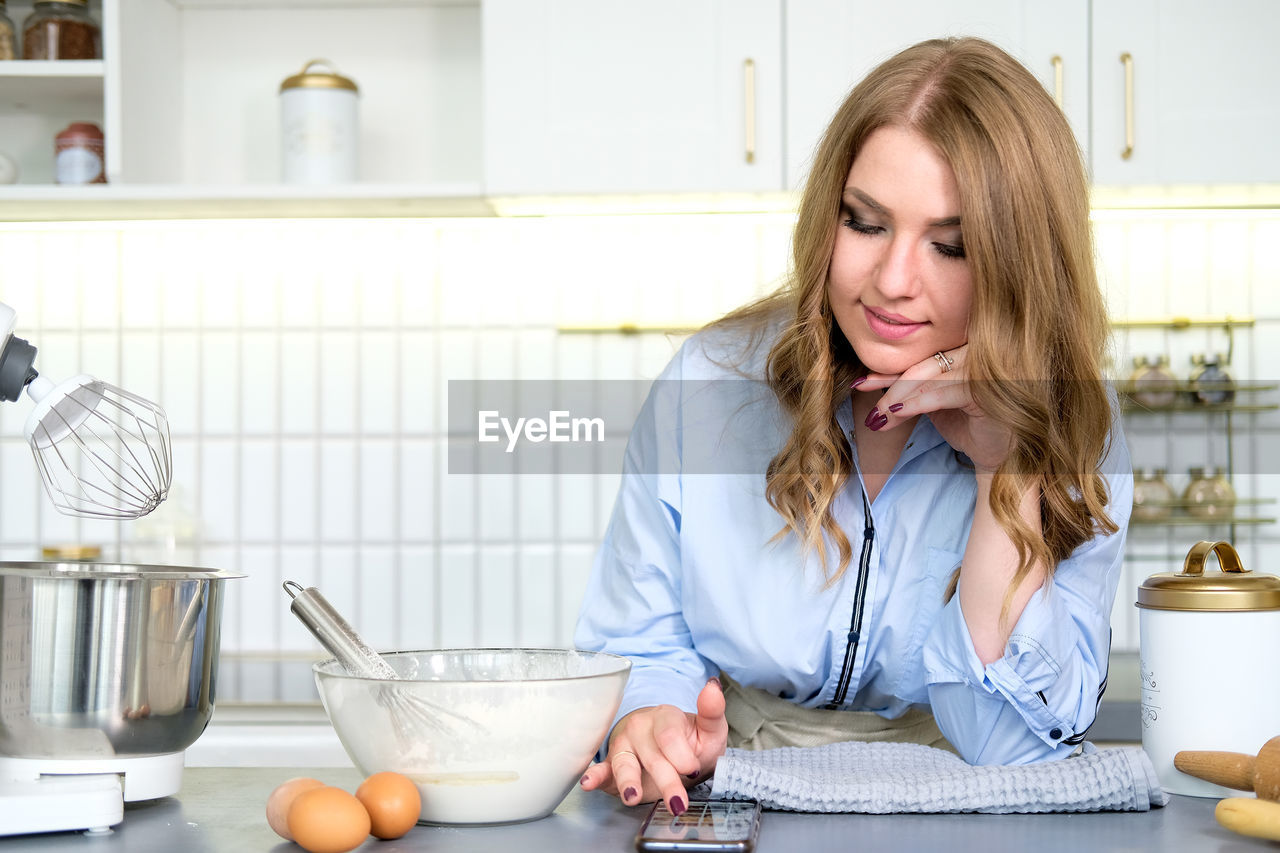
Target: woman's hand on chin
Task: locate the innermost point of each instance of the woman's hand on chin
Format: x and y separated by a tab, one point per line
939	387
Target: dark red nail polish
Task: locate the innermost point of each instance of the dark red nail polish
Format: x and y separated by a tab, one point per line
880	422
858	381
629	794
677	806
873	416
896	407
693	775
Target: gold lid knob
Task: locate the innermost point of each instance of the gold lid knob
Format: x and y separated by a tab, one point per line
1233	588
308	79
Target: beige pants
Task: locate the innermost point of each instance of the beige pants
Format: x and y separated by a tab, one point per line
760	720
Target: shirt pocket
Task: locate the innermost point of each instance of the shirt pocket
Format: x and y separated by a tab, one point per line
922	611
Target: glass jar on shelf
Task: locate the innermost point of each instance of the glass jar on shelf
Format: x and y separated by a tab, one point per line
1153	497
61	29
1152	383
8	46
1209	383
1210	494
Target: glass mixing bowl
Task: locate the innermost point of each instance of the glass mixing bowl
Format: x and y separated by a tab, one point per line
488	735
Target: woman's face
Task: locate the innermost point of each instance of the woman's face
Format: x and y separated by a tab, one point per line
899	284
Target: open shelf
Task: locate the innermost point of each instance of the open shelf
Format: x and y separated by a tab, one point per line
48	203
1190	520
29	85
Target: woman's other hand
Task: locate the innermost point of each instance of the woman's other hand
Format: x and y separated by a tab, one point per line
944	395
660	751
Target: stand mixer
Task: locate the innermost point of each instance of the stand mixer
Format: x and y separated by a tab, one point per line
107	671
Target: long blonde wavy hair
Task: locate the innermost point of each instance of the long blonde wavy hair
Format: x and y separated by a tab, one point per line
1037	327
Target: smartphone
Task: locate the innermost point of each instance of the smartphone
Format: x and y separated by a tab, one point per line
707	825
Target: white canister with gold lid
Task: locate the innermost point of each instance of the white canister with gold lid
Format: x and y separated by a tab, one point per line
1210	679
319	126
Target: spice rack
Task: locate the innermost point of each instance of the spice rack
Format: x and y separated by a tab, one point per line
1247	510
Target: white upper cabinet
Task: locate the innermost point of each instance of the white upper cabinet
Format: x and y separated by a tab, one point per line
604	96
832	44
462	99
1196	87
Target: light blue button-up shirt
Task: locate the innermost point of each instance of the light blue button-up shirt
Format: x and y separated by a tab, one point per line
687	584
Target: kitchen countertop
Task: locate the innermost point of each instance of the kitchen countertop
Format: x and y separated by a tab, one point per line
222	809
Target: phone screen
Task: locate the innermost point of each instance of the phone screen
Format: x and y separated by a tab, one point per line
707	825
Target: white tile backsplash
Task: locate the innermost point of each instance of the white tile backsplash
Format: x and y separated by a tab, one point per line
375	397
258	507
457	609
378	618
305	365
338	498
379	486
338	382
218	383
417	601
500	589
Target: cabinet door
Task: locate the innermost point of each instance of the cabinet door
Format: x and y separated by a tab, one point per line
586	96
832	44
1203	99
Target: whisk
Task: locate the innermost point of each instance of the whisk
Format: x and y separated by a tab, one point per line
102	452
357	658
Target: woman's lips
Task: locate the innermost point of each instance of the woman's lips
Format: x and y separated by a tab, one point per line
890	326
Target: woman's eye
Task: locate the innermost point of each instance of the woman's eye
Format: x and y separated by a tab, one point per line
861	227
948	250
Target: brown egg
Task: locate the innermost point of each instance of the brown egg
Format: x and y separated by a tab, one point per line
328	820
393	803
280	800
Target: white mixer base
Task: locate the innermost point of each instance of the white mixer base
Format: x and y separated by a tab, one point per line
52	795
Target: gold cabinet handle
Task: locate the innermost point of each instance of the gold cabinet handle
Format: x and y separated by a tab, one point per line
1057	79
749	95
1127	60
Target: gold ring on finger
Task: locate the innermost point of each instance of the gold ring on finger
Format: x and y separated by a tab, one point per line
623	752
944	363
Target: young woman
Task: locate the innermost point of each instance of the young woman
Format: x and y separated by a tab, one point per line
889	501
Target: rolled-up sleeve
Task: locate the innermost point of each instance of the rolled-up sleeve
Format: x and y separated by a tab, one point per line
632	604
1037	700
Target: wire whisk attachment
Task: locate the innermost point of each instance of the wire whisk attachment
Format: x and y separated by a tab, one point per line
102	452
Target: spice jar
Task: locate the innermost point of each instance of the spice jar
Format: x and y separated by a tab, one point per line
78	155
61	29
1206	640
1153	497
72	553
1209	494
1153	383
318	122
1209	384
8	47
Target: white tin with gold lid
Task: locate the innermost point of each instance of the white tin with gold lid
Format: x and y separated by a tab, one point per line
1210	678
319	126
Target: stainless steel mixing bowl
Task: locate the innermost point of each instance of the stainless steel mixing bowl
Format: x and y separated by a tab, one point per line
102	660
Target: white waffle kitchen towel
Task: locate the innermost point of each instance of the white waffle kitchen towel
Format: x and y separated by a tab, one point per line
891	778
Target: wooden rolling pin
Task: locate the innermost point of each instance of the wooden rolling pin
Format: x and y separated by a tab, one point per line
1255	818
1237	770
